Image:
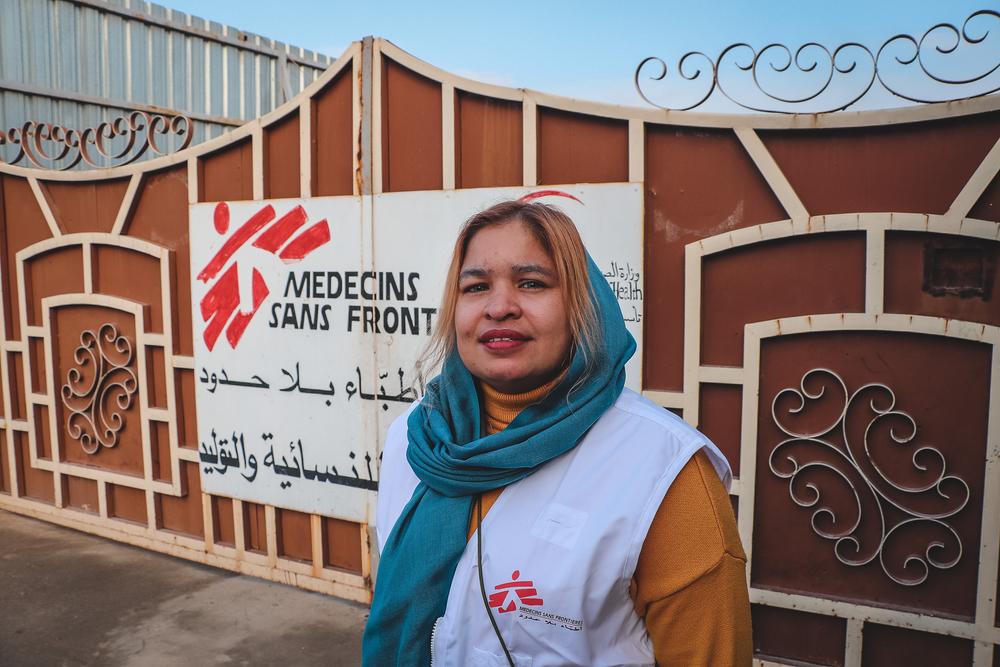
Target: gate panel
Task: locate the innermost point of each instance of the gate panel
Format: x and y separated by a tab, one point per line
810	638
160	216
182	514
942	275
577	148
917	168
33	482
411	130
80	493
227	174
331	146
699	182
818	274
884	645
864	476
488	148
281	158
85	207
23	225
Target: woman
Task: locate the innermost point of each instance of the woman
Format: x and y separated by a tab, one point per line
531	512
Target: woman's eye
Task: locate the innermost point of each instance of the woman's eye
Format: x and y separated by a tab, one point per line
532	284
474	287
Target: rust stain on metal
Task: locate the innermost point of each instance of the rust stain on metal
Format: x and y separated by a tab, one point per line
358	164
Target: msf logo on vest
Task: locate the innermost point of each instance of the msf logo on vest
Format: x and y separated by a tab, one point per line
522	596
513	594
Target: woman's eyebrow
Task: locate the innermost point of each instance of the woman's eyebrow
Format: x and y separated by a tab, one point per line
473	272
531	268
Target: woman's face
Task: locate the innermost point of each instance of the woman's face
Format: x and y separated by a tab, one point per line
510	319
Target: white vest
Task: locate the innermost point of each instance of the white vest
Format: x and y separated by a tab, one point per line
560	546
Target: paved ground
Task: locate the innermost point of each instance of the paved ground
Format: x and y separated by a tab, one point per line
68	599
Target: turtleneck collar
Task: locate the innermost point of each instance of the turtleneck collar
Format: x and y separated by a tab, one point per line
501	408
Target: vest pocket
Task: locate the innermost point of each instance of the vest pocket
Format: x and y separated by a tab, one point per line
481	658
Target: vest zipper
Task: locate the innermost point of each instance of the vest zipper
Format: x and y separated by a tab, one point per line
434	630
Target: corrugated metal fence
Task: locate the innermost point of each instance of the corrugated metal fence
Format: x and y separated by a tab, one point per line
78	63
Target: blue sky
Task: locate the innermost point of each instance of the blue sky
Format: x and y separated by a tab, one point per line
582	49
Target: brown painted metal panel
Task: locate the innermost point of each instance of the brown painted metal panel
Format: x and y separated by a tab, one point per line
988	206
80	493
698	183
161	216
159	436
68	323
126	503
226	174
719	415
784	634
342	544
156	374
23	225
36	354
411	130
187	418
6	469
916	168
183	514
17	388
131	275
222	520
905	259
294	535
86	206
43	439
578	148
332	137
254	528
796	276
34	483
944	384
281	158
488	145
55	272
884	646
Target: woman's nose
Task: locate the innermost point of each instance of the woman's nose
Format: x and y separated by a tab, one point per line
502	304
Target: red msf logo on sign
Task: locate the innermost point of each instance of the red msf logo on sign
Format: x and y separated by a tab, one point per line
220	305
513	593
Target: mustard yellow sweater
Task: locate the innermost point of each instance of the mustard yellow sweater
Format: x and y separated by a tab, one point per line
690	582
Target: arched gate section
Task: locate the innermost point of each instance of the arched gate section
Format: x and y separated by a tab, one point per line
820	299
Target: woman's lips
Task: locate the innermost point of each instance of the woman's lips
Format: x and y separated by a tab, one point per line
500	340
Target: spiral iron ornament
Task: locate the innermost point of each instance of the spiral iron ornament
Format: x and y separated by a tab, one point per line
99	389
832	80
111	144
900	524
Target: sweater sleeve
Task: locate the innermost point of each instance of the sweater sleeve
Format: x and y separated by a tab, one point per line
690	581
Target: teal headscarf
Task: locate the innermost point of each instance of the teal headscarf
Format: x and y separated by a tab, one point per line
455	463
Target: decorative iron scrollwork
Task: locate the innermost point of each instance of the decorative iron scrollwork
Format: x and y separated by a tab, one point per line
119	142
101	381
884	505
837	79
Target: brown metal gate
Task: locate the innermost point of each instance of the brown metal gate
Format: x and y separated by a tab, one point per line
820	300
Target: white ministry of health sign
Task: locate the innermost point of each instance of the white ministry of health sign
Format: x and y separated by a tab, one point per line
310	314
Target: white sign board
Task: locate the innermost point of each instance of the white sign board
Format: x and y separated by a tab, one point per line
310	314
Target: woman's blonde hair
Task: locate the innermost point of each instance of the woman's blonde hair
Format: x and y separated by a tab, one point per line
557	234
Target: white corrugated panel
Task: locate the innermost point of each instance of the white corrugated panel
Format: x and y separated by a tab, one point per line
77	63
